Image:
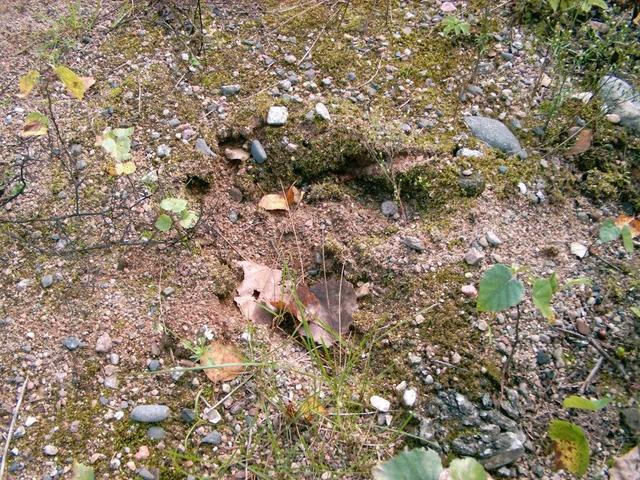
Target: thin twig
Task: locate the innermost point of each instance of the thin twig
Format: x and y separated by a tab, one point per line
590	377
11	426
595	344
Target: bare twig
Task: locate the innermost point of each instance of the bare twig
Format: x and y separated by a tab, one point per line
591	376
595	344
11	427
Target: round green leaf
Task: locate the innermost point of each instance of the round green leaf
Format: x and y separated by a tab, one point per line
499	289
542	294
466	469
416	464
571	446
164	222
172	204
82	472
188	219
117	143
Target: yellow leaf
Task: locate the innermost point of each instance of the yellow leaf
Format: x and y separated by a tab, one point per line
126	168
73	82
281	201
27	83
637	19
217	353
633	223
311	408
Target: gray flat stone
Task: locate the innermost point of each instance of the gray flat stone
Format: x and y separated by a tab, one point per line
203	148
230	90
622	100
494	133
277	116
257	152
150	413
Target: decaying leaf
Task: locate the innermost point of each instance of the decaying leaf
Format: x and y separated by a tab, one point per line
126	168
571	447
325	311
27	82
281	201
218	353
583	142
35	125
87	82
259	289
626	467
310	408
633	223
82	472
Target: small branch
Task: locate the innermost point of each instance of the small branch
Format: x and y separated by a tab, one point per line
11	426
590	377
595	344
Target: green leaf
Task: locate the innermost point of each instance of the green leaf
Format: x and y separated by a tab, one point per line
570	445
73	82
582	403
35	124
598	3
542	294
636	311
499	289
188	219
608	231
164	222
117	143
416	464
554	4
82	472
16	189
172	204
627	238
27	82
466	469
577	281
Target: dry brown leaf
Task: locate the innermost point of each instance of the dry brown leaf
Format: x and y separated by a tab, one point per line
633	223
261	287
328	309
88	82
33	129
236	154
311	408
281	201
218	353
583	142
626	467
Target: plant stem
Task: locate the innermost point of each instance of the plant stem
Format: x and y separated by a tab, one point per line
514	346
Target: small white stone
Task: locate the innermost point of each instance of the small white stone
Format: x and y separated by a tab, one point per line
409	397
578	249
30	421
277	116
469	290
380	404
401	387
50	450
613	117
212	415
522	187
493	239
322	111
456	358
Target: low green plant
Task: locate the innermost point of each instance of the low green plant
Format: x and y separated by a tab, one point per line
583	6
425	464
176	207
609	232
453	26
197	348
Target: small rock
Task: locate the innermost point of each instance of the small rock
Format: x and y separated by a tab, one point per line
114	464
203	148
322	111
145	474
613	117
409	397
213	438
163	150
50	450
277	116
168	291
469	290
389	208
142	453
493	239
583	327
473	257
509	448
456	358
469	153
46	281
153	365
257	152
578	249
150	413
104	343
236	154
156	433
212	415
188	415
230	90
380	404
472	185
494	133
542	357
71	343
413	243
